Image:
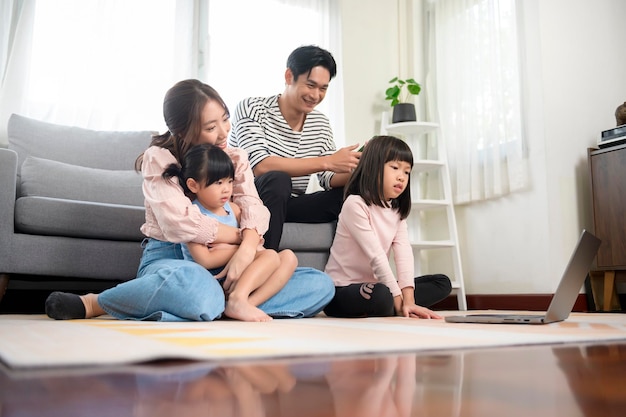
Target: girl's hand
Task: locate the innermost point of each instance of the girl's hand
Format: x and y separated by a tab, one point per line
418	312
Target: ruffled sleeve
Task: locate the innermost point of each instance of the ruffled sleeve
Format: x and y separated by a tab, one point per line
254	215
170	215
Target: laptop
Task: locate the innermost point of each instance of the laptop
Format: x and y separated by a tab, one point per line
564	297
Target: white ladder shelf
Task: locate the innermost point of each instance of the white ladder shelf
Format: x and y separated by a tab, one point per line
414	133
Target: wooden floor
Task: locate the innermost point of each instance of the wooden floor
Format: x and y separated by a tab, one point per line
534	381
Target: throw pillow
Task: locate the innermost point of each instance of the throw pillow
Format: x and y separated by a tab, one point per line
47	178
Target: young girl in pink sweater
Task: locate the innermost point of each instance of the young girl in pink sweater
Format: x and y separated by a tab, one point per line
373	223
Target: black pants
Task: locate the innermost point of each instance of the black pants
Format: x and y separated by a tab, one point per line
274	189
375	300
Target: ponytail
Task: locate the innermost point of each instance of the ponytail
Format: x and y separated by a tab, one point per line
176	171
167	141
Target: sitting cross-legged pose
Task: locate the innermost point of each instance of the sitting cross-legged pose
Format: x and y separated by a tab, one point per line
207	176
373	223
169	287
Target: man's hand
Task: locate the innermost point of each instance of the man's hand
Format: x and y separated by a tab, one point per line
344	160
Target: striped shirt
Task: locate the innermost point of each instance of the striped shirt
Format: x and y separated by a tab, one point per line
260	128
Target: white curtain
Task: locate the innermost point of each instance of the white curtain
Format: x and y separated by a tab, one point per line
107	64
95	64
249	58
474	67
16	28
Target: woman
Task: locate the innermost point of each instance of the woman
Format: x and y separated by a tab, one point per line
167	287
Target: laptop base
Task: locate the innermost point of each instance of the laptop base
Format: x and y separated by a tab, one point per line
498	319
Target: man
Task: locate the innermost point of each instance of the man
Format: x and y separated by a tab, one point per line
287	140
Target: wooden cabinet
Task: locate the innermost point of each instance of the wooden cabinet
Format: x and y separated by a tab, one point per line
608	195
607	169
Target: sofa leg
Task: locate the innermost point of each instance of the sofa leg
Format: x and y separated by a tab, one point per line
4	283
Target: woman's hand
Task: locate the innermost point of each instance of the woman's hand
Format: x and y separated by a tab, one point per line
242	258
235	267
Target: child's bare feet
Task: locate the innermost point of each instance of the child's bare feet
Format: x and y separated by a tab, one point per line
243	310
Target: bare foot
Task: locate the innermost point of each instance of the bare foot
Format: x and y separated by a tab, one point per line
243	310
92	308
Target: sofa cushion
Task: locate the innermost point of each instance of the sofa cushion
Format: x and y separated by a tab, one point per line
70	218
308	236
47	178
75	145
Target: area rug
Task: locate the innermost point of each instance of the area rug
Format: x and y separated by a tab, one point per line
35	341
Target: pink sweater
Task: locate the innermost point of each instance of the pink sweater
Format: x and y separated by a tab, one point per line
171	217
365	237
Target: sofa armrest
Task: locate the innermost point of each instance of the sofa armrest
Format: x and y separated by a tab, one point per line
8	184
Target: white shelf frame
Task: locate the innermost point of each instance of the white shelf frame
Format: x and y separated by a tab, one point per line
413	132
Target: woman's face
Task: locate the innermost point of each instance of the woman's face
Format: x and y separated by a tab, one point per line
215	125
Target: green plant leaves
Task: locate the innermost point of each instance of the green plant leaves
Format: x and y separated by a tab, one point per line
394	93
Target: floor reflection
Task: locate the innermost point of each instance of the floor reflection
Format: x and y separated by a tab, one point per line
393	386
580	380
596	375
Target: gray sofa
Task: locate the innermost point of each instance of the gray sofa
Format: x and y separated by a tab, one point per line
71	206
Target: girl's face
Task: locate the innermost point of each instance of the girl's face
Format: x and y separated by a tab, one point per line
396	176
214	196
215	125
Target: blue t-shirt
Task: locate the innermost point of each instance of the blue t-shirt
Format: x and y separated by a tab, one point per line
229	220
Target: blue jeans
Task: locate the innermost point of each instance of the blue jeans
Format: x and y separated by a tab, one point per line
169	288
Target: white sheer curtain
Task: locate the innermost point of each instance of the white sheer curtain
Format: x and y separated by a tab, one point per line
474	67
16	27
95	64
107	64
249	58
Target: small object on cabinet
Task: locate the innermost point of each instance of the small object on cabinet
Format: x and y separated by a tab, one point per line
620	114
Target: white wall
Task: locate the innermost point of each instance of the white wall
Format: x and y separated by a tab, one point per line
577	77
370	60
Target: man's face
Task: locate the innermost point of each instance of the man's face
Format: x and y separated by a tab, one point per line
308	90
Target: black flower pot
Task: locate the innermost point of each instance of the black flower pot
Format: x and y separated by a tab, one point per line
403	112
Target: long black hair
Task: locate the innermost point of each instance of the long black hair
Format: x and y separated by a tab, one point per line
205	163
367	179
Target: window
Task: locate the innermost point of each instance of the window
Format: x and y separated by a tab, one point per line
247	55
107	64
474	62
101	64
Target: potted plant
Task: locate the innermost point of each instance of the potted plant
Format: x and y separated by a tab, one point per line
398	94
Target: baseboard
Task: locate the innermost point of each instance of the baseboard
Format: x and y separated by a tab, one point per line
531	302
32	302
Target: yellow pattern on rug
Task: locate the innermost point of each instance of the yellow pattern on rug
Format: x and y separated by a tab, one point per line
34	341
